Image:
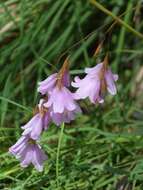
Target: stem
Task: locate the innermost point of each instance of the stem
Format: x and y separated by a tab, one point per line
58	153
123	35
106	11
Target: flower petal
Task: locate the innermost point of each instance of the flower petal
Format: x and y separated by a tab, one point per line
94	70
26	159
37	129
111	87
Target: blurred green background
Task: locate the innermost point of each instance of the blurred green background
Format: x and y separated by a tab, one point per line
103	148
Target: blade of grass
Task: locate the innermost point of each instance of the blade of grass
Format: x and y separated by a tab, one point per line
58	154
122	35
4	104
15	103
120	21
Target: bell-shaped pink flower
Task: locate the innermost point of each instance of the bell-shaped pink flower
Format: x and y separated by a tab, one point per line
28	152
94	84
48	84
62	105
61	102
61	99
38	123
66	116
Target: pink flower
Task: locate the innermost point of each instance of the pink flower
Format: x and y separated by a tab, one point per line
66	117
46	86
62	106
61	99
94	84
38	123
28	151
61	102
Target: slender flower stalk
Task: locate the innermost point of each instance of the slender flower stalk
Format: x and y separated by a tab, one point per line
58	153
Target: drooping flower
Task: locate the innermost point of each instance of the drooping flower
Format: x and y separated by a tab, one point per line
46	86
35	126
38	123
61	102
94	85
28	152
66	117
61	99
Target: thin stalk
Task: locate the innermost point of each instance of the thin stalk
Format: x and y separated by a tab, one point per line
106	11
122	35
58	153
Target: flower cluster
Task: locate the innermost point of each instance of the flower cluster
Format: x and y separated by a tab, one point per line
60	105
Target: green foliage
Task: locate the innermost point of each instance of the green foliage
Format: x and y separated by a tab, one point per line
103	148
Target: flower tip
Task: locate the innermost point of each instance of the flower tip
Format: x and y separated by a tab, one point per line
38	89
10	150
23	165
101	101
73	84
116	77
112	92
40	169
